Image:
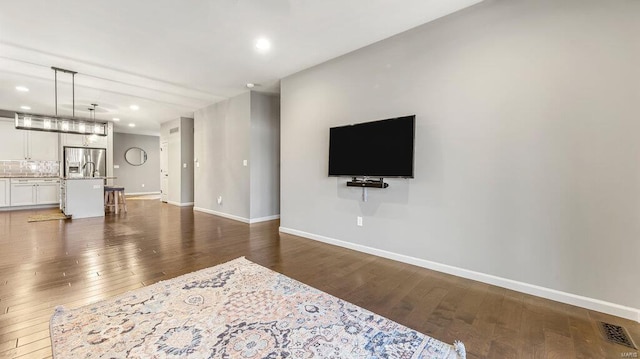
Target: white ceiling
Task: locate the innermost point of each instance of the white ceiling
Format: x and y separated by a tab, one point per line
172	57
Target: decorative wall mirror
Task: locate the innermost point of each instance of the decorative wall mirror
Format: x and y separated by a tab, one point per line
135	156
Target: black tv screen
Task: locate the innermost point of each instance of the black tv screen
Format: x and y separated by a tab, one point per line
374	149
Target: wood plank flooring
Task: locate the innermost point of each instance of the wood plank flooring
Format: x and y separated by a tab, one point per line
76	262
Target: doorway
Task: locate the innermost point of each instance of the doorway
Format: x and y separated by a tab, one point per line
164	171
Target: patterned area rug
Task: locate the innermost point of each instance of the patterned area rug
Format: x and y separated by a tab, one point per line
46	217
235	310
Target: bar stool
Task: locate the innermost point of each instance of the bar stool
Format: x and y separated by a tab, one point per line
114	198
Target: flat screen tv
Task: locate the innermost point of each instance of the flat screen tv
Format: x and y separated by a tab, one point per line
373	149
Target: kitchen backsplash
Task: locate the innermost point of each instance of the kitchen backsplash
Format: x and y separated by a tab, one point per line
29	168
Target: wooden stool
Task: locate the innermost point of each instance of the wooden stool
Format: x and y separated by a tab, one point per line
114	198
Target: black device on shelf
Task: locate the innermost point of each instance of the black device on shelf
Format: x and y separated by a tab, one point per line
367	183
378	149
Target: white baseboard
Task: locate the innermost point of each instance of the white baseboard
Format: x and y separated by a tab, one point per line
559	296
185	204
38	206
221	214
236	218
140	193
264	219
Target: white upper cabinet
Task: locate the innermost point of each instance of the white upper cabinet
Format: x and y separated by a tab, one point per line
74	140
12	142
27	145
42	146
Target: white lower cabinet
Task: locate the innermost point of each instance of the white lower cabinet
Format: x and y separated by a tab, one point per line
48	192
5	192
23	193
31	192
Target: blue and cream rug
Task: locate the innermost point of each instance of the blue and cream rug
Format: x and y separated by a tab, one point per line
235	310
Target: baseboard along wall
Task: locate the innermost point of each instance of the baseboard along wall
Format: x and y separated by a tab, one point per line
185	204
552	294
140	193
237	218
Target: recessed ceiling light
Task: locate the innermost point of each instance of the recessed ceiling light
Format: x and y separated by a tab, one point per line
263	44
25	107
132	125
22	89
250	85
116	119
134	107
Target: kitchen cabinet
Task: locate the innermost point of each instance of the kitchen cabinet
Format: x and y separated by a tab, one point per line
42	146
82	197
48	192
5	192
32	191
23	193
11	142
69	139
27	145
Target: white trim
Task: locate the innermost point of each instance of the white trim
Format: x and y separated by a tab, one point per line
264	219
221	214
559	296
35	206
186	204
139	193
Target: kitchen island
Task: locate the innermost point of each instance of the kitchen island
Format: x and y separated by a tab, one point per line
82	197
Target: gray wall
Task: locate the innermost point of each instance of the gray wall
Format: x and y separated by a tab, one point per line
526	145
245	127
133	177
221	143
186	156
265	155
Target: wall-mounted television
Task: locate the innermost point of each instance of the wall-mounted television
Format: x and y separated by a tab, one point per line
373	149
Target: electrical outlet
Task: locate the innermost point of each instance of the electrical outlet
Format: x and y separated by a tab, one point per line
184	165
219	200
143	185
359	221
244	162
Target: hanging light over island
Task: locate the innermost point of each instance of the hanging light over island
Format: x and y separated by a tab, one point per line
63	124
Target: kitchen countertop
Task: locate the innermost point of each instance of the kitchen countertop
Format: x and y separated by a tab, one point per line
29	177
86	178
55	177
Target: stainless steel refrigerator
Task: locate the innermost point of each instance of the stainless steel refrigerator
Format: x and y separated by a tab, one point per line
85	162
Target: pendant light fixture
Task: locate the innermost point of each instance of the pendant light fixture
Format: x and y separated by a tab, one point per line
34	122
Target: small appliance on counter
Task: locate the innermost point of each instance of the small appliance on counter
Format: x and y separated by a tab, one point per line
84	162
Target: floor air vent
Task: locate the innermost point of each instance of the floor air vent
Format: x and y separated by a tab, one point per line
616	334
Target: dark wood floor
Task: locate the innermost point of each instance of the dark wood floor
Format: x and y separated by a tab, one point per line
77	262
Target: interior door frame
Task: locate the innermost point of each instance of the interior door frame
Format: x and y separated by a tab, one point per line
164	171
